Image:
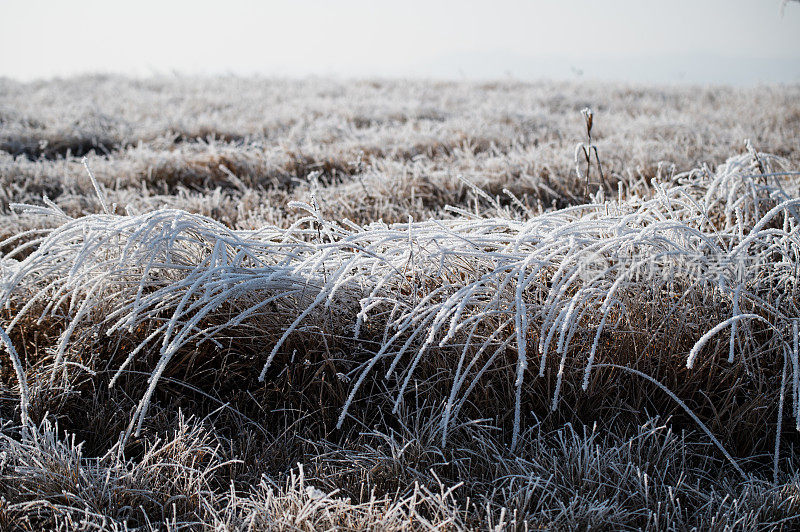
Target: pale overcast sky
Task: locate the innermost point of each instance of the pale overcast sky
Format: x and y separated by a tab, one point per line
696	41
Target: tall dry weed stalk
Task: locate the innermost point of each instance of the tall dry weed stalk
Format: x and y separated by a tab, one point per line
587	149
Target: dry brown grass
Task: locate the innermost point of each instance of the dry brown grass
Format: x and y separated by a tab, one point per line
220	449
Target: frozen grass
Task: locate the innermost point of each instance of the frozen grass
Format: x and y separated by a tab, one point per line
442	332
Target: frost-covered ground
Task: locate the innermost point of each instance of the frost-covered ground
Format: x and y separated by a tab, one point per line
397	305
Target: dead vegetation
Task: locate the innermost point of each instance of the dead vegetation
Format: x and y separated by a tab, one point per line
399	306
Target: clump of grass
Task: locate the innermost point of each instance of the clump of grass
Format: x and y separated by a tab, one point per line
485	287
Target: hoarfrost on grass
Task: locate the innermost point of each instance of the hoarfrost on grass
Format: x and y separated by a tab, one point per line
545	279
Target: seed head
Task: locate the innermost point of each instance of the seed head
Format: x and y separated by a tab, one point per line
587	116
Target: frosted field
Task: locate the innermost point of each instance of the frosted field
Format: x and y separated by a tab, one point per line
241	304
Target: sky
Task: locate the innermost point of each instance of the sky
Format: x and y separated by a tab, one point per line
742	42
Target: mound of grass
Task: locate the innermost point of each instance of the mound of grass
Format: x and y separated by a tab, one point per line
508	318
